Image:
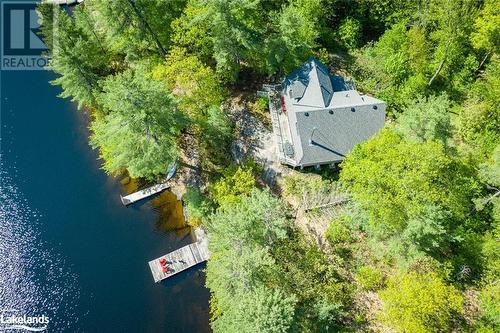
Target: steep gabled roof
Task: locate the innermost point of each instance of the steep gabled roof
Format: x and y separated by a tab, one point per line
326	115
310	84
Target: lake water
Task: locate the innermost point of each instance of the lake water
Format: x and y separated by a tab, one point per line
68	248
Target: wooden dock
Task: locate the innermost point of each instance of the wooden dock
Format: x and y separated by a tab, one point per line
142	194
183	258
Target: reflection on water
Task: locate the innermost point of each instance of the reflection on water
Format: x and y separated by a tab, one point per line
166	203
171	215
84	263
33	279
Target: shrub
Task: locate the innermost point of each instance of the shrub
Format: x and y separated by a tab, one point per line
490	309
419	303
236	182
350	33
370	278
260	108
197	206
337	233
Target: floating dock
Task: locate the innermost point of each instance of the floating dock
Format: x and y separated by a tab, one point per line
183	258
142	194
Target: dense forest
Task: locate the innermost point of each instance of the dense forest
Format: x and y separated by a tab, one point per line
412	243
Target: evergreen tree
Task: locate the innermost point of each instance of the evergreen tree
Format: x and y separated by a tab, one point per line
136	27
76	54
140	128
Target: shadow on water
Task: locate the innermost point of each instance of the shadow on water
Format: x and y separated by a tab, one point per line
197	271
166	204
84	264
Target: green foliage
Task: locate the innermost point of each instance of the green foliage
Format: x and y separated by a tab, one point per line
235	30
487	28
489	320
315	280
298	27
479	120
426	119
419	303
235	183
193	37
194	83
432	53
197	206
140	127
350	33
411	189
260	106
489	173
200	94
80	61
337	232
259	219
395	68
369	278
240	236
135	28
262	310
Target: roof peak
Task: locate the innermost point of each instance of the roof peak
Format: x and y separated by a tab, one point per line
310	84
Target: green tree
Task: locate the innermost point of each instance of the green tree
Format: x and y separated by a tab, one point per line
431	52
77	54
489	319
190	32
197	206
200	95
303	270
262	310
240	237
419	303
489	173
140	127
259	218
235	28
396	66
235	183
350	33
136	27
486	35
195	84
411	188
479	119
296	32
426	119
452	22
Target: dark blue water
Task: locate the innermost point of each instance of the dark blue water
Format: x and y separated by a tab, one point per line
68	247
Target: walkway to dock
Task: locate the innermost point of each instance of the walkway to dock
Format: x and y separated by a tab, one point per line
181	259
142	194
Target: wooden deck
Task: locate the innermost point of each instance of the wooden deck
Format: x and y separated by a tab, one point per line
183	258
281	129
142	194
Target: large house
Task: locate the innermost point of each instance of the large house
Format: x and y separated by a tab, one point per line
318	117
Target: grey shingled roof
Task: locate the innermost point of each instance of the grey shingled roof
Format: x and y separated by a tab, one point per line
330	117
